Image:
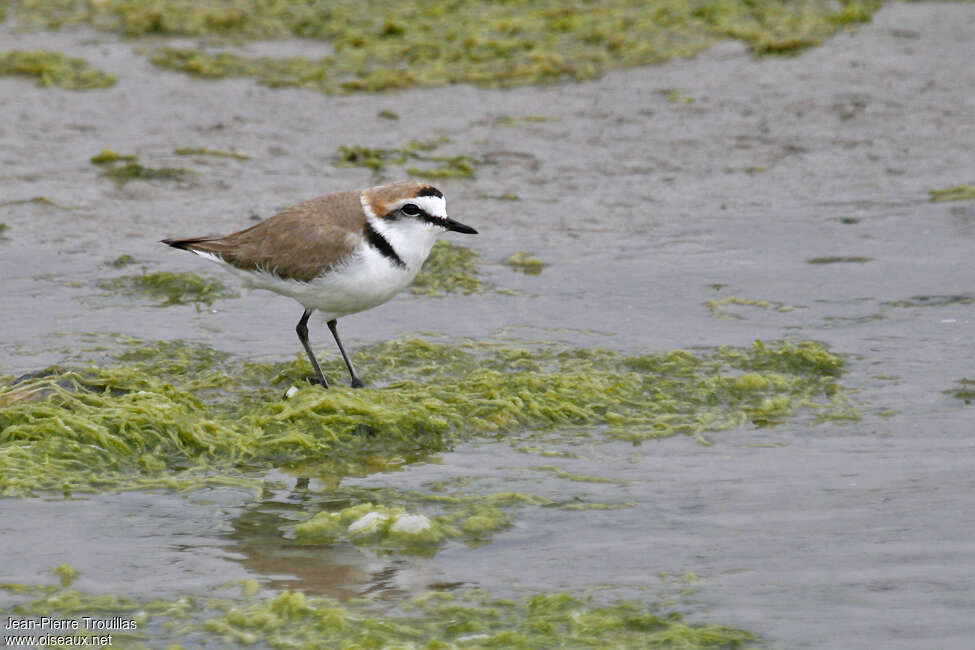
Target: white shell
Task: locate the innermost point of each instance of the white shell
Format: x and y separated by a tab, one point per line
410	524
367	523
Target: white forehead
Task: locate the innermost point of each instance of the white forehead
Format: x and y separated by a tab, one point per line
435	206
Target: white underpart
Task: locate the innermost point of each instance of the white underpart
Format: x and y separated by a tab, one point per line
367	278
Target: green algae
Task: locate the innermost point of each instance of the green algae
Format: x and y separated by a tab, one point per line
203	151
40	200
965	391
558	472
519	120
675	96
380	46
957	193
417	522
389	528
525	262
125	168
938	300
377	159
717	306
450	268
471	618
54	69
460	166
134	171
122	261
172	288
788	28
66	573
181	416
109	156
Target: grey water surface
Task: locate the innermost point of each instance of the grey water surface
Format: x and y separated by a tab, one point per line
645	206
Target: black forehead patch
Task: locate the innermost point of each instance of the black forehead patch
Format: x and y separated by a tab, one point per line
430	191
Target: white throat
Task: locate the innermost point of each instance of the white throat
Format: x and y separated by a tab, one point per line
411	239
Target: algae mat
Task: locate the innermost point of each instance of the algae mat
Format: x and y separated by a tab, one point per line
674	205
177	415
173	415
237	615
380	45
54	69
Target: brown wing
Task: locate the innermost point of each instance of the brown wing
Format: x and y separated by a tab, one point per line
299	243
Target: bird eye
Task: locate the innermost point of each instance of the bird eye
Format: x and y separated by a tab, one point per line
410	210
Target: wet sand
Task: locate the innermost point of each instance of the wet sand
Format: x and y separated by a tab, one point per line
847	534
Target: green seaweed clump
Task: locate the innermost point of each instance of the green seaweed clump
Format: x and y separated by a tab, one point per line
173	288
169	414
717	306
525	262
54	69
675	96
66	573
135	171
784	28
110	156
472	618
132	170
390	528
965	390
449	269
381	46
460	166
468	517
122	260
444	513
957	193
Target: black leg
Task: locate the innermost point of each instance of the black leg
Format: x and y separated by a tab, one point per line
356	381
302	330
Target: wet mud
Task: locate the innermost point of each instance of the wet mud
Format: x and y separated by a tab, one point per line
697	204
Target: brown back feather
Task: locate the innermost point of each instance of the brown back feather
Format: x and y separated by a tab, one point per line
299	243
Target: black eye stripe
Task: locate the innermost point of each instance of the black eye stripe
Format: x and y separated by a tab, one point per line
419	215
429	218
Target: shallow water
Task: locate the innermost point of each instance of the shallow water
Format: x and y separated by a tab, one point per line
838	534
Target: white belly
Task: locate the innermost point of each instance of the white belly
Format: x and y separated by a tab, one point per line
366	280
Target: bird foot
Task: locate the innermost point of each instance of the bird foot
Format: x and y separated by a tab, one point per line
357	383
315	381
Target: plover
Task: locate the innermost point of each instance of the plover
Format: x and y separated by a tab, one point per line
340	253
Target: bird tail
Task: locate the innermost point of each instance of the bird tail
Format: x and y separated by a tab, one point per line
194	244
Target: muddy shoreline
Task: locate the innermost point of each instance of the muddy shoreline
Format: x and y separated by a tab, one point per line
648	193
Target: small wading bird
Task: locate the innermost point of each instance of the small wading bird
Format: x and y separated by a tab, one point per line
341	253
